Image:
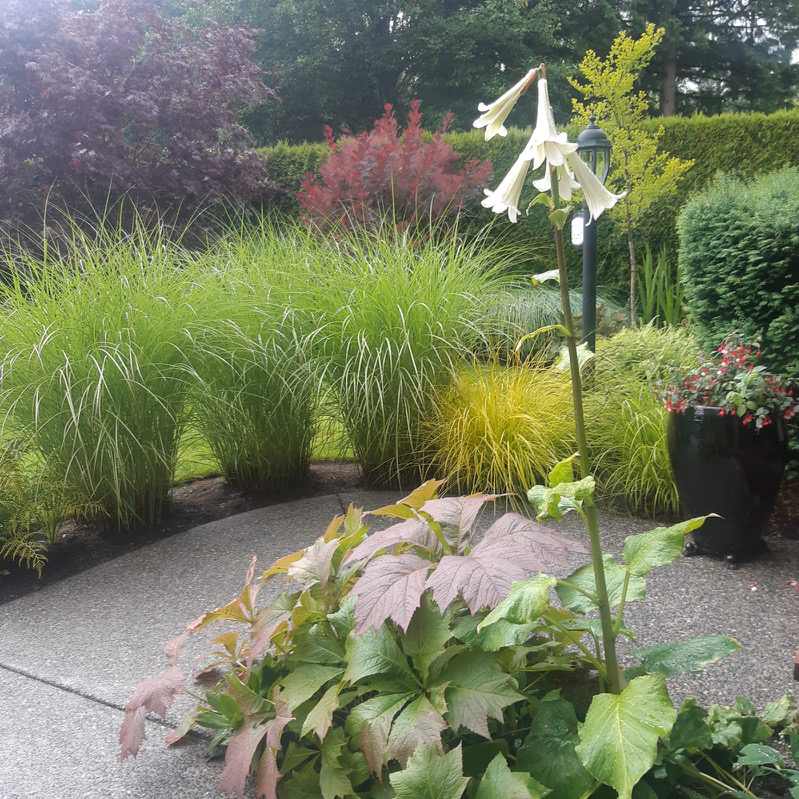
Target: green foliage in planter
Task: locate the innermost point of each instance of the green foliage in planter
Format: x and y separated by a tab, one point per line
92	369
626	418
502	428
739	256
396	317
422	660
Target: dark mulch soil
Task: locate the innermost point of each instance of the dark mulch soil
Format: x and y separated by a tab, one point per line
81	546
785	520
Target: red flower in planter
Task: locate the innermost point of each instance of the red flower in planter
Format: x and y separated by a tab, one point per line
734	382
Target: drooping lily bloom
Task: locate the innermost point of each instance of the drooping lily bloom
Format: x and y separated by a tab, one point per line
546	144
494	115
506	196
547	147
566	182
597	197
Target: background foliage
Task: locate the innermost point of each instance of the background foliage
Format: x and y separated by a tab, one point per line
737	144
721	56
339	63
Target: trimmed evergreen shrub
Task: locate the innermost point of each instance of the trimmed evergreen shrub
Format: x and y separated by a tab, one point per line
287	165
739	256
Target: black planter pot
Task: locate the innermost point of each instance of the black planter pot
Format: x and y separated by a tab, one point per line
722	467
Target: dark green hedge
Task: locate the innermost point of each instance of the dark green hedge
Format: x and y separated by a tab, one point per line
287	164
743	145
739	256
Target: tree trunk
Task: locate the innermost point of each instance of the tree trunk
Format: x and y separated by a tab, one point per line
633	281
668	89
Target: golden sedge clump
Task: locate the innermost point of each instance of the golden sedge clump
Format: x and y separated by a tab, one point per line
500	429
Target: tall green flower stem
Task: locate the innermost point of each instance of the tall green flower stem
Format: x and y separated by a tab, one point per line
614	676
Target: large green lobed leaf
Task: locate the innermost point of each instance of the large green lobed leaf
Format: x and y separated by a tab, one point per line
619	739
431	775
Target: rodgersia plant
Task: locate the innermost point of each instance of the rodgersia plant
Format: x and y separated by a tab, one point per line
424	659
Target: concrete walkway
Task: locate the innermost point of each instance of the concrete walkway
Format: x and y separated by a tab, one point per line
71	653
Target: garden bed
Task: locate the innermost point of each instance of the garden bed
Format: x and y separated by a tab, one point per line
82	546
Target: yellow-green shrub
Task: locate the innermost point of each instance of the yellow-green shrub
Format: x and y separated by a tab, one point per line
629	453
501	429
646	353
626	420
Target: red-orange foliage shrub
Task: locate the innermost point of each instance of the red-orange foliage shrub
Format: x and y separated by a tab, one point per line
387	171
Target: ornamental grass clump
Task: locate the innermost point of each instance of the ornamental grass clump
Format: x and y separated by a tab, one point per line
92	357
398	317
530	315
627	422
628	447
648	354
501	429
254	388
253	398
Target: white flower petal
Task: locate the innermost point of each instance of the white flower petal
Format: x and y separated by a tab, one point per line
506	196
542	277
597	197
494	115
546	144
566	182
584	356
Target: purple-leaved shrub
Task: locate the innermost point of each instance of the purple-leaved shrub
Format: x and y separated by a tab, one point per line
122	98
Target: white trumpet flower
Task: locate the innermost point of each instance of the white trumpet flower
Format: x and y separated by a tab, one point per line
567	185
546	144
506	196
494	115
597	197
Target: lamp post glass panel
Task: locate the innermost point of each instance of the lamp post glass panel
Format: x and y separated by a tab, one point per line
594	148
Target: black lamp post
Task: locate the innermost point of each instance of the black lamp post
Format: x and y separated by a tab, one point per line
594	148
